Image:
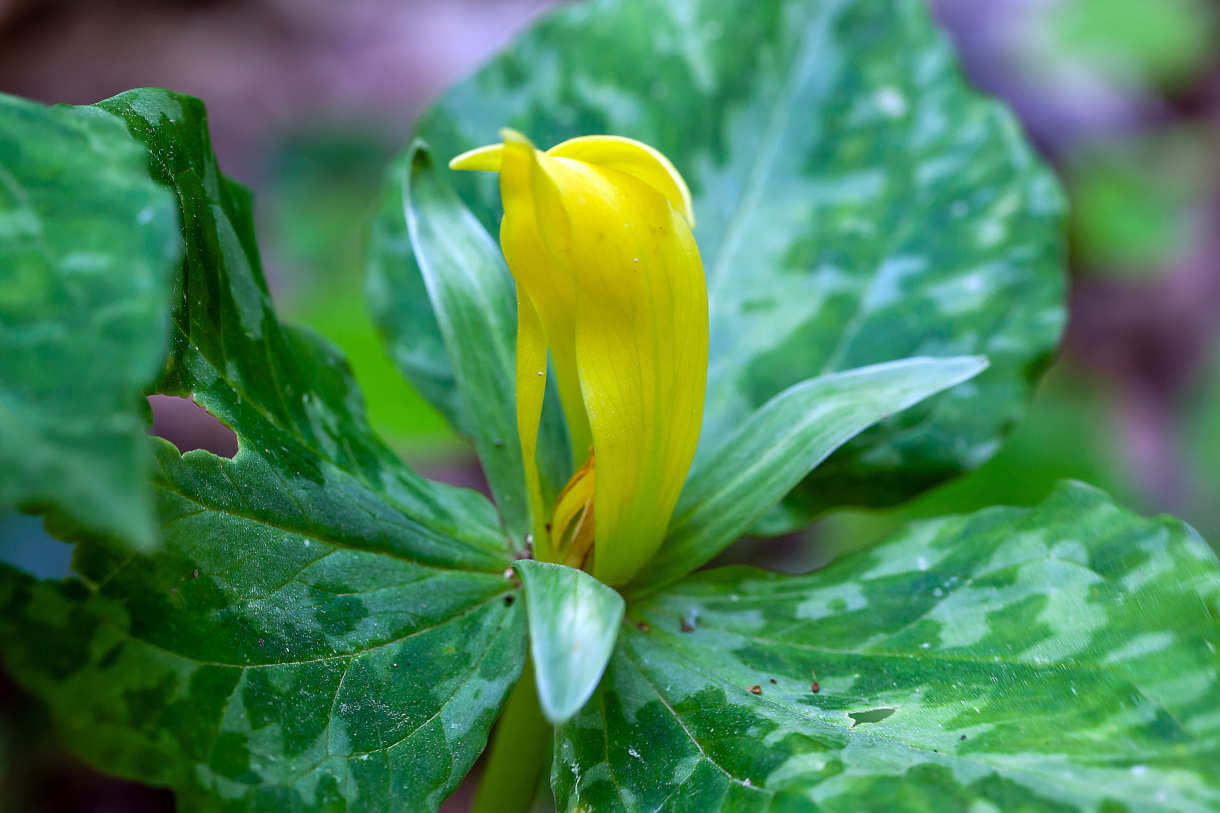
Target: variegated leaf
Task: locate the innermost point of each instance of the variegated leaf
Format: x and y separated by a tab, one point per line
1056	658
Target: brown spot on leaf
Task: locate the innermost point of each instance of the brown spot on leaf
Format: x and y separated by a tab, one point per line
756	689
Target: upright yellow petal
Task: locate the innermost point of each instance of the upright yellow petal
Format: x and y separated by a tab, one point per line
597	233
641	351
542	276
531	388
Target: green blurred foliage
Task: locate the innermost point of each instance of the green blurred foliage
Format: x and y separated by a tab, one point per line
1134	199
1161	42
316	209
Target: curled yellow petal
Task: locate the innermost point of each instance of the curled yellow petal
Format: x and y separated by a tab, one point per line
634	158
572	523
597	234
486	159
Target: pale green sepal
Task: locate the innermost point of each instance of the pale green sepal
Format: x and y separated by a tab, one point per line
473	299
573	622
780	444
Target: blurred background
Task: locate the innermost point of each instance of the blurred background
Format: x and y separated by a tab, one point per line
309	99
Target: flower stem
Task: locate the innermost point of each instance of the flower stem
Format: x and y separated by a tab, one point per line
519	752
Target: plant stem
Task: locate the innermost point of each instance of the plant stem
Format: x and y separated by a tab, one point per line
520	751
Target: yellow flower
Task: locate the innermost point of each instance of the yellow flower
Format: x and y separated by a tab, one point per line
597	234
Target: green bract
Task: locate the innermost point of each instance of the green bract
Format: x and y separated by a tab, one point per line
311	625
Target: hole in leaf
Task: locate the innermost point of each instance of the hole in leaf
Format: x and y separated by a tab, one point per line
189	426
870	716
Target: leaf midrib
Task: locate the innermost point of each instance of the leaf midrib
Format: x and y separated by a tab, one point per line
808	50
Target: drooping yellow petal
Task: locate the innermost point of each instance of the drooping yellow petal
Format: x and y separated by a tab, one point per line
634	158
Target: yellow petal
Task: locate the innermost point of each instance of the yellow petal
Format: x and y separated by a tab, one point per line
597	234
550	288
531	388
634	158
485	159
641	346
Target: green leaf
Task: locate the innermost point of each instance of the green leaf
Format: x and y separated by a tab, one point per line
1056	658
573	621
307	460
780	444
857	203
88	246
251	667
297	642
472	296
442	295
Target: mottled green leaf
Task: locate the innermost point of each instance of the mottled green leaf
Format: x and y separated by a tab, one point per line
296	643
88	247
573	621
252	667
306	459
857	203
781	443
444	300
1060	658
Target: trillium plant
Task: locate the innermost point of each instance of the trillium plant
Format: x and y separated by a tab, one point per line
769	258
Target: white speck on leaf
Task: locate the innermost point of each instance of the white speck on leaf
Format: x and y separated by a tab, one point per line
891	102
